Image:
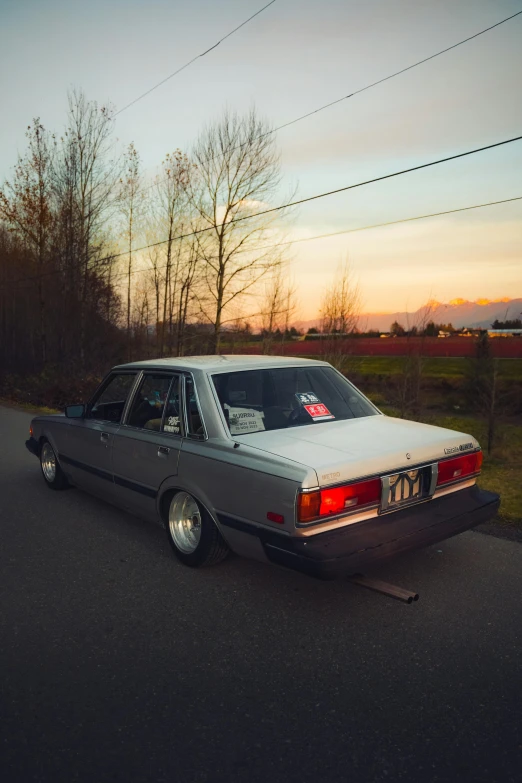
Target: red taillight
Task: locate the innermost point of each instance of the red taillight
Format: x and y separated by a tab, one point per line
325	502
31	431
459	468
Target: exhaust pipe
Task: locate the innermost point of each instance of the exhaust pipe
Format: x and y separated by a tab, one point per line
383	587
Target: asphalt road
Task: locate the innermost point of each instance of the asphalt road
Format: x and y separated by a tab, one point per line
118	664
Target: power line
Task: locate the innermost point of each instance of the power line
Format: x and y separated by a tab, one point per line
389	223
392	75
297	241
353	230
182	68
361	89
320	195
317	236
290	204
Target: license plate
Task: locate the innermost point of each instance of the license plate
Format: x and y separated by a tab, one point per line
402	488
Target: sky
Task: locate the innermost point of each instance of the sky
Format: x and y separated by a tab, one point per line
295	56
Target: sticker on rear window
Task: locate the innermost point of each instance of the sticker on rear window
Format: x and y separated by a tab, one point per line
319	412
244	420
307	398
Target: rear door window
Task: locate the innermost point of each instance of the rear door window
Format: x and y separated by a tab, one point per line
172	420
149	402
195	426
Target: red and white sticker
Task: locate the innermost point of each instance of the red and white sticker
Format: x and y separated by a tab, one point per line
319	412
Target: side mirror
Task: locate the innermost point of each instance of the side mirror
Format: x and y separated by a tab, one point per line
75	411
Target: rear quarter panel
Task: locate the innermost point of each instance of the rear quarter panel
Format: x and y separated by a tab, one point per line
239	482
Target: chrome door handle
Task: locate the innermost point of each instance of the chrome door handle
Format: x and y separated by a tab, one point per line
104	437
163	451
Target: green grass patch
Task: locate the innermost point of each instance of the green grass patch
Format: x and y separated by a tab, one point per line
28	408
432	367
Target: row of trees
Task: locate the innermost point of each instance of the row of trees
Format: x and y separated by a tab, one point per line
75	287
428	329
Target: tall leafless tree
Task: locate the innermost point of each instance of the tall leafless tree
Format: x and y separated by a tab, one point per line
238	175
278	307
341	303
340	312
171	220
26	206
130	203
87	173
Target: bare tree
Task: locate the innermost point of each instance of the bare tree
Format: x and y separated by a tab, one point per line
157	279
172	220
340	312
238	174
486	394
278	307
341	304
86	175
130	203
26	206
407	392
188	279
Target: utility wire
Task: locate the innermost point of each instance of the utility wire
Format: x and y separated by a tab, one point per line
349	231
288	205
297	241
392	75
182	68
320	195
361	89
389	223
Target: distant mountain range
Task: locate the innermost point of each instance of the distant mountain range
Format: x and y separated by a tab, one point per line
459	312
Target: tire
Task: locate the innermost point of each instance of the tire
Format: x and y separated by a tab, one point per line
192	533
53	475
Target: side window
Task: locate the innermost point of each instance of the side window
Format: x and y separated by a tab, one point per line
109	402
171	422
195	428
149	402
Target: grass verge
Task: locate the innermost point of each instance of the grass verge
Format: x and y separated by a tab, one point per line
36	409
432	367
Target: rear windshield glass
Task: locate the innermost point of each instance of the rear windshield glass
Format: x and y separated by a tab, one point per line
258	400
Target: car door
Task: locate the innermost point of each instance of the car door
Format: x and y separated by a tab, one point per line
89	443
147	444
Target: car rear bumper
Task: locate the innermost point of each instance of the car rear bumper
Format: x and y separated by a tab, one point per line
349	549
32	446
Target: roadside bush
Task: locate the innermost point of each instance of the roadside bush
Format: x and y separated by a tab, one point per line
50	388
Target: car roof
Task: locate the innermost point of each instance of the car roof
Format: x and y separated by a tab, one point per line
219	363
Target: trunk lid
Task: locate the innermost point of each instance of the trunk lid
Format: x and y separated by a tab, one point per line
347	450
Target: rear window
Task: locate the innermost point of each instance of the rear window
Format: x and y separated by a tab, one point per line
259	400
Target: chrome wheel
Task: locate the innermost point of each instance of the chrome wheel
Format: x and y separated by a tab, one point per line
48	461
185	522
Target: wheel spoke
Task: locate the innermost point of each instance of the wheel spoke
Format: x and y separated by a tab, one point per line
48	461
185	522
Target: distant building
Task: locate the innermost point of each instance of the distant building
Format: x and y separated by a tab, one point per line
504	332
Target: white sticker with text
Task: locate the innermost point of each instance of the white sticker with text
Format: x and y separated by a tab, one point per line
244	420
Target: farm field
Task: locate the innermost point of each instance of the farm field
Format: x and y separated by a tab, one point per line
452	347
432	367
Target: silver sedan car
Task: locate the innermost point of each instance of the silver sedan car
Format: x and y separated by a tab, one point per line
278	459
